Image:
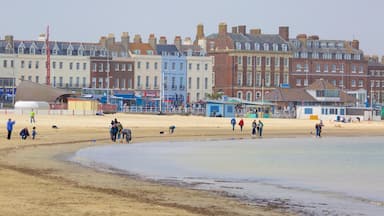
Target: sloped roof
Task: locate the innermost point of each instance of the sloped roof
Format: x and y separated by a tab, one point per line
30	91
302	95
321	84
289	95
143	47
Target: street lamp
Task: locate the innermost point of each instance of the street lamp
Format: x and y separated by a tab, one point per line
108	78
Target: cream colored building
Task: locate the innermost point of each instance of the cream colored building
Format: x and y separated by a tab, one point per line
199	77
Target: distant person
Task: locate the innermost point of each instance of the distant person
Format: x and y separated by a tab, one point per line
254	125
32	116
233	123
172	129
260	126
113	132
241	124
317	129
10	124
24	133
34	132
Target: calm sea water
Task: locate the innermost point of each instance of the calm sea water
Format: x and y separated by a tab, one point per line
309	176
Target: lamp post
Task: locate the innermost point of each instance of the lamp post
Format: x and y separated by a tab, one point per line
108	78
13	74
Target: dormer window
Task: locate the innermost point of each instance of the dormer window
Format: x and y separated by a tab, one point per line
284	47
275	47
257	46
149	52
266	47
92	52
32	49
80	52
20	49
247	46
238	45
69	50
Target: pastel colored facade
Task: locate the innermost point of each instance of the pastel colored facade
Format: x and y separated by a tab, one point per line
147	69
70	62
337	61
199	78
249	65
174	75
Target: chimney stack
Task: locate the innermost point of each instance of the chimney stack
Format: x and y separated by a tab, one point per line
242	29
137	39
301	37
255	32
110	40
314	37
103	41
9	39
178	42
152	41
125	40
284	32
234	30
355	44
222	29
163	40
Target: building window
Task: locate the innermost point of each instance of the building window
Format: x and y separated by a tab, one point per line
181	66
101	67
206	83
77	66
70	81
84	66
248	96
267	79
267	61
333	68
298	67
206	67
197	96
197	66
37	79
326	68
341	68
258	61
317	67
139	81
165	65
361	69
258	79
123	67
198	83
240	94
190	66
277	79
238	45
173	66
266	47
155	82
286	62
189	82
298	82
353	68
361	83
239	78
146	81
60	65
257	46
277	61
138	65
77	82
247	46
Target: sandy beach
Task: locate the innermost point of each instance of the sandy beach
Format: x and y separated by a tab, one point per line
36	180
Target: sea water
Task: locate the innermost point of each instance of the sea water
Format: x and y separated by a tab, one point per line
308	176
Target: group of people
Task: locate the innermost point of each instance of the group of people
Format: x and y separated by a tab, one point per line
118	133
24	133
318	127
257	127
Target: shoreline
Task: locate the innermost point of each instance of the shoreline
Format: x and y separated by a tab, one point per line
35	161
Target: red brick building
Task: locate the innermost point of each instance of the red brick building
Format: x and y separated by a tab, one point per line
375	80
249	64
339	62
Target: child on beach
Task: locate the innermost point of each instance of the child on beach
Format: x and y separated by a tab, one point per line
33	132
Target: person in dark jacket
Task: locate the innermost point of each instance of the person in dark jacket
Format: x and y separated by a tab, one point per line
10	124
24	133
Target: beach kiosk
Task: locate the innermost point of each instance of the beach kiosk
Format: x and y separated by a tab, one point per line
220	109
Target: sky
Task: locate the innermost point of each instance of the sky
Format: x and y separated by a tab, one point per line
88	20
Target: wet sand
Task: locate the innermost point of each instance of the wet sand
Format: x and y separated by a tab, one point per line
35	180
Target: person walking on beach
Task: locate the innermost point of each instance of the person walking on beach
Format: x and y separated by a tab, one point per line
241	124
34	132
10	124
260	128
32	116
233	123
318	129
254	125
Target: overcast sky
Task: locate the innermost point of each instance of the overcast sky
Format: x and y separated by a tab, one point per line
87	20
